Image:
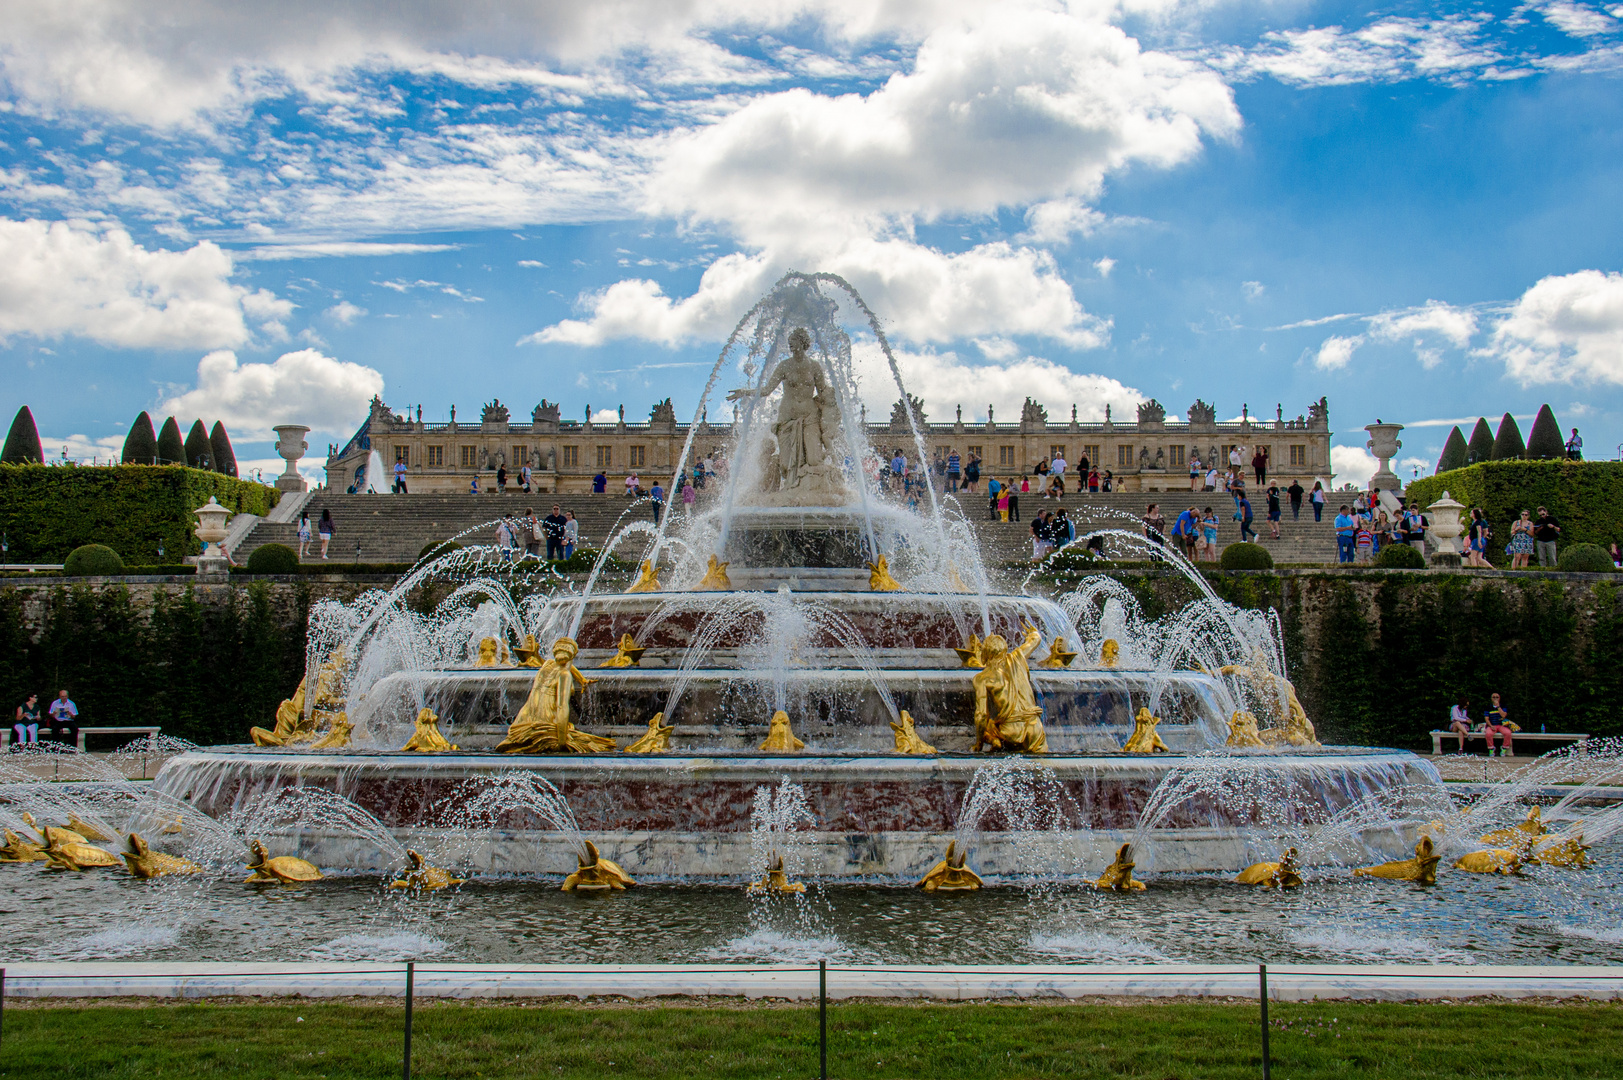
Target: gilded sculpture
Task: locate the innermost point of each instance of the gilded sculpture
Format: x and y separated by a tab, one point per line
1243	731
529	653
338	736
907	740
543	725
1274	703
1283	874
657	739
1109	653
16	849
1058	655
715	577
66	854
776	881
627	654
1007	717
879	579
970	652
950	874
488	653
1118	876
288	869
292	726
647	579
1144	739
779	738
1512	836
426	739
422	877
146	864
1421	869
1568	852
86	830
1490	861
595	874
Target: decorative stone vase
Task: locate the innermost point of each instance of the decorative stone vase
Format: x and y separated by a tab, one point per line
211	565
1445	531
1383	443
291	445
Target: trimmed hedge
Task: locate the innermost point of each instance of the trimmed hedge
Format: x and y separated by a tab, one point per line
93	560
1585	497
1400	557
1586	559
273	559
48	510
436	548
1245	556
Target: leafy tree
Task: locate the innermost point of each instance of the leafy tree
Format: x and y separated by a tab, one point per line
198	451
1508	445
171	449
22	443
1480	448
225	460
1544	442
1453	456
141	444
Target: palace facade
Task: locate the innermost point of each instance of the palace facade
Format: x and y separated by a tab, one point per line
1149	454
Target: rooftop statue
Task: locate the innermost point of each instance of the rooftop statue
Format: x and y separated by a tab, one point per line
807	419
1006	712
543	726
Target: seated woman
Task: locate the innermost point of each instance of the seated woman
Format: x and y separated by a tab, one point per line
1459	720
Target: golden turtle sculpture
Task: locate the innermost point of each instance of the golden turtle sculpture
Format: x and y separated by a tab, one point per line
145	863
1283	874
17	849
596	874
67	855
421	876
1490	861
1422	869
288	869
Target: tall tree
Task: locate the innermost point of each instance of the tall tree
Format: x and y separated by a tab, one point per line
198	451
1453	456
1544	442
22	442
225	460
1480	448
171	448
141	444
1508	445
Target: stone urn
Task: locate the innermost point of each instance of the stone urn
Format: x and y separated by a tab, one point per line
291	445
211	565
1445	531
1383	443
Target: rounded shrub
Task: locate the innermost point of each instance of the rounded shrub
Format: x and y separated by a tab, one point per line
1400	557
1586	559
273	559
1244	556
437	549
93	560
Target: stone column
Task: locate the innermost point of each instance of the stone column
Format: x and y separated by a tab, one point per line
291	445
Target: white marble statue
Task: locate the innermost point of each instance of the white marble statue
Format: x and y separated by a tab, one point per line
807	418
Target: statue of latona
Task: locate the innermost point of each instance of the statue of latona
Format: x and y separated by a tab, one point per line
807	418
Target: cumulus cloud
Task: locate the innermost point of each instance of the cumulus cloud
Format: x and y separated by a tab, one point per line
1388	50
1334	354
87	280
1577	20
336	248
303	387
1422	326
1352	465
344	313
1566	328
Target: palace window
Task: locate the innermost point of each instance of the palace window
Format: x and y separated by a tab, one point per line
1091	452
605	456
470	457
638	457
1005	455
1175	456
1299	455
521	456
571	457
436	456
1124	456
1056	452
402	454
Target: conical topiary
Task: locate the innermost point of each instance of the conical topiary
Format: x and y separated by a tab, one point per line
225	461
171	450
1508	445
1480	448
1544	442
198	451
22	442
141	444
1453	456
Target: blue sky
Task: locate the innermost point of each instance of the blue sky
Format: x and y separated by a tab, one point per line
1410	209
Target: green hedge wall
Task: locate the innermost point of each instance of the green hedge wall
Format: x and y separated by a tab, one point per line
1585	497
48	510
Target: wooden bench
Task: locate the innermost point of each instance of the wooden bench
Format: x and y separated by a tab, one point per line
1580	738
5	735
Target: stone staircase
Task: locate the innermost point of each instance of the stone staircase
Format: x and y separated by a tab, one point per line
394	528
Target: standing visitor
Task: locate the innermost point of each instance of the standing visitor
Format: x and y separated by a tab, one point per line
1617	555
1414	527
553	526
1296	491
1521	541
524	477
688	496
1259	465
1459	720
1040	470
1247	534
1236	460
1496	723
1211	479
600	483
326	528
1545	534
972	472
473	485
571	533
1064	531
501	479
1039	536
1014	499
657	496
64	720
1346	527
1477	536
1575	447
506	537
1056	470
1208	532
992	488
1195	472
1155	526
304	533
400	478
27	725
1316	497
1093	480
955	470
1273	511
530	528
1003	501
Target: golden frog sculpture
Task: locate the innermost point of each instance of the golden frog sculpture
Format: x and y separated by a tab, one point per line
950	874
426	739
422	877
17	849
715	577
1513	836
1568	852
288	869
879	579
67	835
907	740
1283	874
1006	714
1144	740
146	864
628	654
1274	703
970	652
657	740
1422	869
1109	653
779	738
1118	876
1243	731
543	725
338	736
86	830
529	653
1058	655
647	579
1491	861
595	874
65	854
776	881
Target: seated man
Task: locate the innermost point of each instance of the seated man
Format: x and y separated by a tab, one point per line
1496	723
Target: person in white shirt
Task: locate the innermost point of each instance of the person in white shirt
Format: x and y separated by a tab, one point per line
1575	446
1194	473
632	483
1056	473
1211	479
524	478
400	478
1459	720
1236	457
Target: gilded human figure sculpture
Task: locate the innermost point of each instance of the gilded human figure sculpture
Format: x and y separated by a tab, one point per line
1144	739
950	874
1109	653
487	653
658	738
879	577
292	726
338	736
715	578
807	418
1422	869
907	740
426	739
1243	731
627	654
1006	714
543	725
1281	716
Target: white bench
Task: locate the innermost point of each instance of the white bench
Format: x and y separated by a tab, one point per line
5	735
1580	738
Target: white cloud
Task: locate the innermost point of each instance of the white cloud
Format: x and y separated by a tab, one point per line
303	387
1336	352
82	447
532	264
277	252
344	313
1421	325
1104	264
1388	50
87	280
1566	328
1352	465
1577	20
1253	289
1057	220
606	416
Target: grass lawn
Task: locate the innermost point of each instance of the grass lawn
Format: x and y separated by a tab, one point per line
1156	1040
